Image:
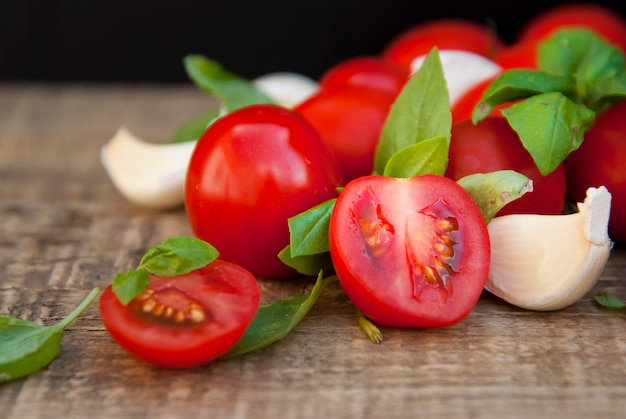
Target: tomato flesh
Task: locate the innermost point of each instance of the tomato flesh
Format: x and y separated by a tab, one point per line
409	252
187	320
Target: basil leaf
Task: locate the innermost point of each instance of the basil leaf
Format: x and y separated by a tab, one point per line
421	111
274	321
26	347
308	265
128	285
492	191
610	301
193	130
426	157
518	84
308	231
550	126
178	255
232	90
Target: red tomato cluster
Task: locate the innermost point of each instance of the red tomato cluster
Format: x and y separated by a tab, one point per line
408	252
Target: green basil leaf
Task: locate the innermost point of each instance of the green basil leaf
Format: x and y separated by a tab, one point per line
308	265
178	255
127	286
518	84
606	91
426	157
420	112
564	51
274	321
193	130
492	191
308	231
610	301
232	90
550	126
26	347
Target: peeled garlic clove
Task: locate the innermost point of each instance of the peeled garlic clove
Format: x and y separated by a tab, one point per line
548	262
462	70
286	88
147	174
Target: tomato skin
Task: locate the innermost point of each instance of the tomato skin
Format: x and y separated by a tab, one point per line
457	34
493	145
251	170
370	71
600	161
384	230
596	17
350	120
228	294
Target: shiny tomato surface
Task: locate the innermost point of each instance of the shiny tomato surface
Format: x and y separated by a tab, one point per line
186	320
493	145
252	170
410	252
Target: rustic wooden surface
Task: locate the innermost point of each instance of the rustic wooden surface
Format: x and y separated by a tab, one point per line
64	229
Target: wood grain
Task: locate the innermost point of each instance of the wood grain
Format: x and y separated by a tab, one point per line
64	230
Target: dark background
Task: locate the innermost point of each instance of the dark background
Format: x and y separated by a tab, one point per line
115	40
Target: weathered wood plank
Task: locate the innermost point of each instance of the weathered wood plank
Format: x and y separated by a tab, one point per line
65	230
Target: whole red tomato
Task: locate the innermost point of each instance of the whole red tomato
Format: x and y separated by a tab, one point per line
370	71
410	252
493	145
186	320
350	120
251	170
596	17
600	160
458	34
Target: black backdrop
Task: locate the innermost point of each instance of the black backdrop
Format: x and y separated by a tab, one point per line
141	40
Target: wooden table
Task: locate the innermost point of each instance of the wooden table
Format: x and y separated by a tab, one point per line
64	229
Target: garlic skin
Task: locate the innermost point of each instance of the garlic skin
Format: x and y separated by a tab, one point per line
462	70
548	262
286	88
147	174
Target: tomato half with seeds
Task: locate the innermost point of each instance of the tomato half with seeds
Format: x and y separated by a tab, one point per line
186	320
411	252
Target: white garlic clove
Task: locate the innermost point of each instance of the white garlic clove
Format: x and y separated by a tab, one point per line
548	262
462	70
147	174
286	88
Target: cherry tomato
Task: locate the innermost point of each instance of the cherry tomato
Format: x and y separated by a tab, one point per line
350	120
493	145
370	71
251	170
458	34
186	320
600	161
593	16
464	107
411	252
518	55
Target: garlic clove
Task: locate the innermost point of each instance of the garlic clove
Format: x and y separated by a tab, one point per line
462	70
147	174
286	88
548	262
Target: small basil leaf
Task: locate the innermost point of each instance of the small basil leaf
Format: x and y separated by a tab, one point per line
193	130
610	301
606	91
232	90
274	321
308	231
178	255
426	157
492	191
564	51
127	286
308	265
550	126
26	347
421	111
518	84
